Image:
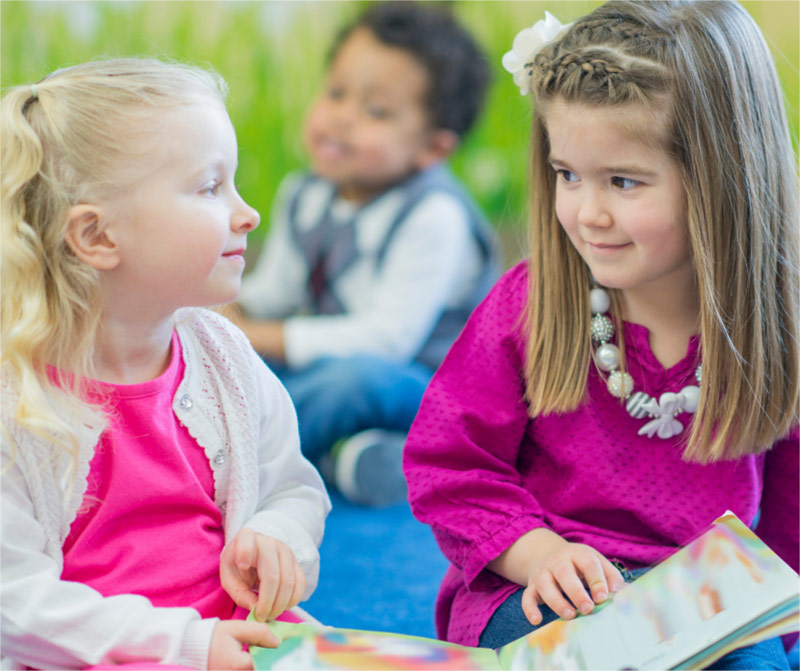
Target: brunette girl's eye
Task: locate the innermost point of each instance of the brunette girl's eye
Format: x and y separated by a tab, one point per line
624	183
566	175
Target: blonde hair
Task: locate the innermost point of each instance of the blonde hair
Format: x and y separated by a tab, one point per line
707	65
63	139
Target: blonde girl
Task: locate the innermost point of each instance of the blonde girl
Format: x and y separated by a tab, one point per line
638	376
153	491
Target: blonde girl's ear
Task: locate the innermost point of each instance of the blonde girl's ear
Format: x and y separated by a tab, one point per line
90	237
439	144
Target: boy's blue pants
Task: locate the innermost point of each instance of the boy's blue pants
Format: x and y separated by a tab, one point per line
338	397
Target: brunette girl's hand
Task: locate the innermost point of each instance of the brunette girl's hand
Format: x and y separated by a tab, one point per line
260	571
572	578
229	636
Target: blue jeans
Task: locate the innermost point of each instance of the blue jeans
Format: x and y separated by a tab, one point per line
508	623
338	397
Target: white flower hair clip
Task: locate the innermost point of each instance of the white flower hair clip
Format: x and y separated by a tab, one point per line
527	44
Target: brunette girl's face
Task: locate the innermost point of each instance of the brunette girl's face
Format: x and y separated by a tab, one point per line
619	195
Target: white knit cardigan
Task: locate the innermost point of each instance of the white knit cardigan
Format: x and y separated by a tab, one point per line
242	416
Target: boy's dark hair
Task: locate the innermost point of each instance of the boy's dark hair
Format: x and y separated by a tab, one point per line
458	69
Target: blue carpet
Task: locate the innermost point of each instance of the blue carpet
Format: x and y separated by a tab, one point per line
380	570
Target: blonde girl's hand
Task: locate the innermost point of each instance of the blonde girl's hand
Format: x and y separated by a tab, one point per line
229	636
261	572
572	578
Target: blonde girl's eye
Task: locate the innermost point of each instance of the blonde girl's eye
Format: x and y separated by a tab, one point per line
211	189
624	183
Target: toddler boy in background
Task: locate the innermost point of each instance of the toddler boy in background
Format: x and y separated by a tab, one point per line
377	256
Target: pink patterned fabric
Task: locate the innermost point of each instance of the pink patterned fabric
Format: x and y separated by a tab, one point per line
148	524
481	473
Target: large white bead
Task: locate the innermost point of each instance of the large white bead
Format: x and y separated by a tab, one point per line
620	384
607	357
599	300
691	396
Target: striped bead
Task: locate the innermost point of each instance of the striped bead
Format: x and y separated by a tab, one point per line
635	403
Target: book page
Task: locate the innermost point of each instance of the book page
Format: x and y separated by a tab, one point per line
686	605
306	646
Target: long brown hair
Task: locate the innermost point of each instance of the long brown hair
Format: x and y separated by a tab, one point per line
728	132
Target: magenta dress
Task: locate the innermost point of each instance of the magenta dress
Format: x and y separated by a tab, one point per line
481	473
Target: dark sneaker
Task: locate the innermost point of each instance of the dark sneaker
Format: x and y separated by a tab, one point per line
368	468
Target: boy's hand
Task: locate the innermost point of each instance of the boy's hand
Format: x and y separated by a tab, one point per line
253	562
561	577
227	639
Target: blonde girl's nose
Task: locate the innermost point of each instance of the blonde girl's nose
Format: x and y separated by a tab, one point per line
245	218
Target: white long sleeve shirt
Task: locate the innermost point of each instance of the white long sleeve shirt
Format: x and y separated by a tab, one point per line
230	402
433	263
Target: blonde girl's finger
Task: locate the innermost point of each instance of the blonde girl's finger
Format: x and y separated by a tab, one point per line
255	633
246	552
286	579
268	579
236	587
299	586
530	605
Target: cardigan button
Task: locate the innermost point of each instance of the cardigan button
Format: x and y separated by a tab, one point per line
219	458
186	401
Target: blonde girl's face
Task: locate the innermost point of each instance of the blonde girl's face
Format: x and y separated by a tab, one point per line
182	229
619	197
369	126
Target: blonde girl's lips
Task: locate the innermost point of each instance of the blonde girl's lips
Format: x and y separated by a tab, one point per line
236	254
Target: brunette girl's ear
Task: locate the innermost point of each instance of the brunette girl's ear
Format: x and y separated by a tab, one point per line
89	237
438	146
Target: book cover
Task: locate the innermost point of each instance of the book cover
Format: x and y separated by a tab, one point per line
723	590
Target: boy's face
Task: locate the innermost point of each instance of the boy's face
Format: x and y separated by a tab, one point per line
369	127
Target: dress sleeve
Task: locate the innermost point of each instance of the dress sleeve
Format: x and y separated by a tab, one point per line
292	502
461	456
778	526
51	623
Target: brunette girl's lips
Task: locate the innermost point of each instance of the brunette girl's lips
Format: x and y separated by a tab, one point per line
604	246
235	252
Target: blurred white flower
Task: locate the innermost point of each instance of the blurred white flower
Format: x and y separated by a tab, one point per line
526	44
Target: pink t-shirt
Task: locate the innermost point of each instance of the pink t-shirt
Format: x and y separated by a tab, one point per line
148	524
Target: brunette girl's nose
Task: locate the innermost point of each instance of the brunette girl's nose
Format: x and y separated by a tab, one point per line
593	211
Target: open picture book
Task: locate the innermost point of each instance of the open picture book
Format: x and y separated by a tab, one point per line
724	590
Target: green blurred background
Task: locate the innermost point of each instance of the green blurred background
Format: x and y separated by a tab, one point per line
272	53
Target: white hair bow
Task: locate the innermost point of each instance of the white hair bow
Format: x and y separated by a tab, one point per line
526	44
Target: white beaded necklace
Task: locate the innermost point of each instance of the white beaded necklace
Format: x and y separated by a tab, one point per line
620	384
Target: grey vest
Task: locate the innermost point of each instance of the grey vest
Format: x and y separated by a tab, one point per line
330	250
